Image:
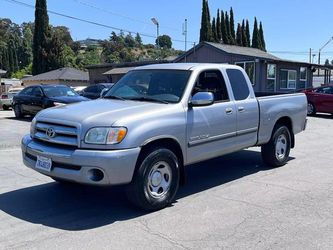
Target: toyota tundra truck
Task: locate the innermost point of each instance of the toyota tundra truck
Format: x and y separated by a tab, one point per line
155	121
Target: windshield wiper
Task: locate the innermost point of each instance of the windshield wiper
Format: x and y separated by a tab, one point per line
114	97
148	99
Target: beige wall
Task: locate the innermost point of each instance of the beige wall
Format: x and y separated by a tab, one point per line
96	75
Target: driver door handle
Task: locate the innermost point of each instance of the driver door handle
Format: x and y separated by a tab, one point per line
228	111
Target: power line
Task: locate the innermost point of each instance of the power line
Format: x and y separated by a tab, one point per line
88	21
90	5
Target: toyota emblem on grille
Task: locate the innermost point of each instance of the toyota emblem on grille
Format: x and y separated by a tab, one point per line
50	132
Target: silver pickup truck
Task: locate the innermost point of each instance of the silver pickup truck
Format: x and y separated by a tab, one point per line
156	120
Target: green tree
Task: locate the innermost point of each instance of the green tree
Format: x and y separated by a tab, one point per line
206	29
164	41
218	26
262	38
130	41
138	40
247	31
232	27
227	25
239	35
214	30
255	35
225	38
245	42
42	35
327	62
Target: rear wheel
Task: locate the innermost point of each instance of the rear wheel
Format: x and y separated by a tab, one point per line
18	111
276	152
5	107
311	109
156	180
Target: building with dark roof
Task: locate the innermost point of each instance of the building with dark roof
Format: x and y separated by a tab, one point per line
66	76
266	71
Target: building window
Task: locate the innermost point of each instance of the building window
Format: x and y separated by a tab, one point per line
303	78
271	77
288	79
249	68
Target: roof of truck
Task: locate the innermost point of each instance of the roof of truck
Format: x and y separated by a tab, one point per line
184	66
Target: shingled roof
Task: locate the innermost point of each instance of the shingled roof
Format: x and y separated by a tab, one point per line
63	74
233	49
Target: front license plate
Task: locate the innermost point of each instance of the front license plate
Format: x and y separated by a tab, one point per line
43	163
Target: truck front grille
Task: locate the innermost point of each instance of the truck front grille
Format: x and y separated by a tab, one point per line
56	133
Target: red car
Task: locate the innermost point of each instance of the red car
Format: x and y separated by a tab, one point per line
320	99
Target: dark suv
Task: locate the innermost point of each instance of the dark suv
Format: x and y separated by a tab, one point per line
95	91
33	99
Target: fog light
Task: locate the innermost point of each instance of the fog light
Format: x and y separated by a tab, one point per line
95	175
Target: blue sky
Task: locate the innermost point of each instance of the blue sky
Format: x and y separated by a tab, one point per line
290	25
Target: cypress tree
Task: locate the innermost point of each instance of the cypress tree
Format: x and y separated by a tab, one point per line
224	29
209	27
239	35
218	26
244	38
203	20
262	38
214	30
247	32
232	27
206	28
227	25
40	40
255	35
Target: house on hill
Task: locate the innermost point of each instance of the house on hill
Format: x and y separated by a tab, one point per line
67	76
266	71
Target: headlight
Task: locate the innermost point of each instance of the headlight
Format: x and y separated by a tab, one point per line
103	135
57	104
33	127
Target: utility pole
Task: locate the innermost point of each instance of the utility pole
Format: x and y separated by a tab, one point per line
185	34
331	39
154	20
310	56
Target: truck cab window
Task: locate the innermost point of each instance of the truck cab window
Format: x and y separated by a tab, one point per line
212	81
238	84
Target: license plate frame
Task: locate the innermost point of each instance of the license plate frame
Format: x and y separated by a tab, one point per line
43	163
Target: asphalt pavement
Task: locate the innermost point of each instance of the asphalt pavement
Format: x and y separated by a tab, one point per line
232	202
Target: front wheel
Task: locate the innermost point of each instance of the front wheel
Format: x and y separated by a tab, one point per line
18	111
156	180
5	107
311	109
276	152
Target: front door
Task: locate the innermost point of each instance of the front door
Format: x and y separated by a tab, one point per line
211	129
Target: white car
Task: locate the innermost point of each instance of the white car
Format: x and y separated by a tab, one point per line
6	99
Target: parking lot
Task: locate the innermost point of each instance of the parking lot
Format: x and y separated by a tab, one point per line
231	202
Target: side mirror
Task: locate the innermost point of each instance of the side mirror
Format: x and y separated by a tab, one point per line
104	91
202	99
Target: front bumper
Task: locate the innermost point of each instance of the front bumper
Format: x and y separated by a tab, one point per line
76	165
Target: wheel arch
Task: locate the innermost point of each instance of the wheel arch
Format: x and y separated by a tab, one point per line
166	142
286	121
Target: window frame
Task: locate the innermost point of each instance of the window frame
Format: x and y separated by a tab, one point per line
270	78
304	80
244	67
288	79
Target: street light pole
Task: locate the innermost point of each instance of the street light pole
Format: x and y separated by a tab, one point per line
154	20
331	39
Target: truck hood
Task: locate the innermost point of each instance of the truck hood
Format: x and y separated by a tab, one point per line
101	112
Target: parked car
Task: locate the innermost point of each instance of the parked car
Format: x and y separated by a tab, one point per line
156	120
94	91
33	99
6	99
320	99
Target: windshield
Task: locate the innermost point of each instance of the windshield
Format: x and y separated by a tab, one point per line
57	91
164	86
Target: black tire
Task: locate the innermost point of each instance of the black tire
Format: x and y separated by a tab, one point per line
5	107
276	152
18	111
158	165
311	109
